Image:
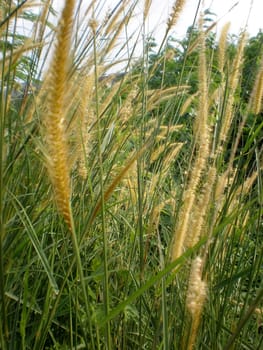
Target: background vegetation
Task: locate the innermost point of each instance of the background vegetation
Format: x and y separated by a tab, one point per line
130	203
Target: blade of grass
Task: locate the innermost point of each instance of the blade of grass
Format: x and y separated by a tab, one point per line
21	212
102	195
178	263
244	320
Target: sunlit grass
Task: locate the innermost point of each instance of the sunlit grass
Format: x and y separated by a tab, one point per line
130	208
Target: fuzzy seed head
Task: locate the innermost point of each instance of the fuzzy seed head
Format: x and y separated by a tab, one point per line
197	289
175	13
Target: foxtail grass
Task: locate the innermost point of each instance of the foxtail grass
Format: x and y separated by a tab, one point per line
56	143
130	198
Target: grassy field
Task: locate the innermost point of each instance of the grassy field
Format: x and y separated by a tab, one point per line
130	215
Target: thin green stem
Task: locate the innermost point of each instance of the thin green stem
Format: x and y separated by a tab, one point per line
103	213
3	103
244	319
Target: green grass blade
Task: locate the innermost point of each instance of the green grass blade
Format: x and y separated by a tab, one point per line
21	212
178	263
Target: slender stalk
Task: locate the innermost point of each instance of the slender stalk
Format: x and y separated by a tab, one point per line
3	110
12	13
102	195
140	175
244	319
2	279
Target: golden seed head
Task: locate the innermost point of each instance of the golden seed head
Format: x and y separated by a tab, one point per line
93	23
175	13
197	289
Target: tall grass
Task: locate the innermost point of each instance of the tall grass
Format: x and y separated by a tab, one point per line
116	230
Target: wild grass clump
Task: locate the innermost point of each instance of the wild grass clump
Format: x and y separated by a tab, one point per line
130	202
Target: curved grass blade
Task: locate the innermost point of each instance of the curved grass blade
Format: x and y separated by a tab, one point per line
178	263
34	240
244	319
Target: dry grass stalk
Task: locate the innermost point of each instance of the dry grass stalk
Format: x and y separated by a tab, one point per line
222	47
12	58
233	85
155	216
197	41
13	10
165	130
38	104
93	24
54	121
156	213
240	193
221	184
245	188
171	149
132	184
40	25
171	155
119	178
236	72
202	136
2	14
127	109
111	26
198	225
83	120
257	92
195	298
188	103
255	106
119	28
105	104
201	122
147	5
175	14
156	154
162	95
84	150
90	8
